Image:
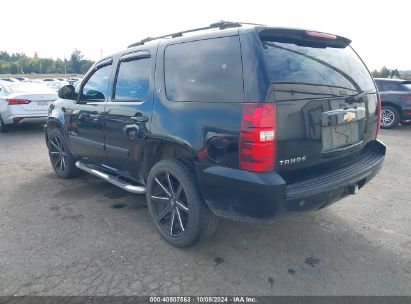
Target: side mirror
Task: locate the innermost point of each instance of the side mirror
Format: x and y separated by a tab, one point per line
67	92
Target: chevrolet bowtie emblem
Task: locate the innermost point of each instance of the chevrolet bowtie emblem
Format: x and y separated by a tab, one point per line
349	116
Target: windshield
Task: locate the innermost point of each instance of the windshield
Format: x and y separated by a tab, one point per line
338	67
31	88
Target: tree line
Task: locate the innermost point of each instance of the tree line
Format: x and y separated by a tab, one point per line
386	73
20	63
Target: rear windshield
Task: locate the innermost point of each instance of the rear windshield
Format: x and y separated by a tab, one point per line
338	67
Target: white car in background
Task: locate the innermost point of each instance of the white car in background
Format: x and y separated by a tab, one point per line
24	102
20	78
9	79
56	85
74	80
49	79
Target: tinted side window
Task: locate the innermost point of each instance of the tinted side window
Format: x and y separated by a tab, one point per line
390	86
378	84
383	86
96	86
206	71
133	80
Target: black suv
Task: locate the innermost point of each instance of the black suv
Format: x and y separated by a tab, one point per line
236	121
396	101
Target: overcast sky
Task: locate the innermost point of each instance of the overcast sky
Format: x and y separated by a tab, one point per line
380	30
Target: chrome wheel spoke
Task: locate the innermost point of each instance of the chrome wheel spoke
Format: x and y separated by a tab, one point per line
54	152
178	192
170	185
180	221
61	164
163	213
54	144
159	198
181	206
58	143
63	161
56	163
162	187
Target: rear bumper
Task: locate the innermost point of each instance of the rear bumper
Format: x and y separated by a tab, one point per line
406	114
25	118
260	197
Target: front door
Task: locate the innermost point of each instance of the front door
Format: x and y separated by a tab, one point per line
128	114
85	123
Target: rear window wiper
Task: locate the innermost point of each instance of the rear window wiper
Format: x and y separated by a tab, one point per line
357	97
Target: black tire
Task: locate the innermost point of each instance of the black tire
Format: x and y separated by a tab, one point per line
406	123
3	127
390	117
62	161
176	206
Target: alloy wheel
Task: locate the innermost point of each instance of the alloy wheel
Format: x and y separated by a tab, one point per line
169	205
387	117
58	154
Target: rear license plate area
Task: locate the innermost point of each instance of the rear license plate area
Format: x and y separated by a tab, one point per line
43	103
342	129
340	136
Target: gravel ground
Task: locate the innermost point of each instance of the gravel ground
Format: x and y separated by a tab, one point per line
86	237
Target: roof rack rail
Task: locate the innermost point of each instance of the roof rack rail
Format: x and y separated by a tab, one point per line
220	24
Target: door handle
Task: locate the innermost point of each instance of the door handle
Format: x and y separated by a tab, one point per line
139	119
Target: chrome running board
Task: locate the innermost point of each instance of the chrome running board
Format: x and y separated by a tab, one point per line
111	179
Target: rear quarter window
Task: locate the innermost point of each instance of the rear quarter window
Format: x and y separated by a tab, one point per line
386	86
205	71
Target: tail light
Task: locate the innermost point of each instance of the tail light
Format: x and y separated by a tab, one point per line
321	35
379	115
13	101
258	137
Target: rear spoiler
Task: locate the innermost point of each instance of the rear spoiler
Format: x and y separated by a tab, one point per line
302	37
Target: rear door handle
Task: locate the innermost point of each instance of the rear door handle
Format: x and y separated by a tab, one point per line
139	118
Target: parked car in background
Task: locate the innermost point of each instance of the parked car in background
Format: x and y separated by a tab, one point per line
242	122
73	80
396	101
10	79
49	79
24	102
56	85
22	78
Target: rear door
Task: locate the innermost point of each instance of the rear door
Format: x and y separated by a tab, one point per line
128	113
313	76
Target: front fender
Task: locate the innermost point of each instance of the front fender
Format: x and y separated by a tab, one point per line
55	115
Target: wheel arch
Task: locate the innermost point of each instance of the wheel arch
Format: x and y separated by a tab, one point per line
51	124
394	105
161	150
